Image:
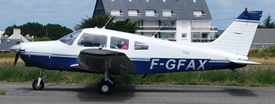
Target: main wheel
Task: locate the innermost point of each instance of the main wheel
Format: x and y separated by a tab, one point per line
105	88
35	87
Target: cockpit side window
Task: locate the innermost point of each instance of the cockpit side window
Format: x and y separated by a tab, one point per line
69	39
119	43
141	46
92	40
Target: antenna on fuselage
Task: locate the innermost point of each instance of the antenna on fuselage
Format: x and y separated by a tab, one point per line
158	30
107	23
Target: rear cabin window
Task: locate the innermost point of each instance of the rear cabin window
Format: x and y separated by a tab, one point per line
92	40
141	46
119	43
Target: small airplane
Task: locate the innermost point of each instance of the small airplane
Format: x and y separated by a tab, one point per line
109	52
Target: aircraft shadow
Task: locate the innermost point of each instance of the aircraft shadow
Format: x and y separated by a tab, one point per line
122	93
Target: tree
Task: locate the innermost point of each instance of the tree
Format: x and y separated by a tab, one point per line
267	23
44	39
100	21
124	25
34	28
35	38
53	31
216	36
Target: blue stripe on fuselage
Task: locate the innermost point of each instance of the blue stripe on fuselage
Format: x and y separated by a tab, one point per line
165	65
53	63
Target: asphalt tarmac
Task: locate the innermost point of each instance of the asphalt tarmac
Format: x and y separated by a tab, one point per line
22	93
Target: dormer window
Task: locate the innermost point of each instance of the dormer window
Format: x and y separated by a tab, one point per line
151	13
168	13
198	13
182	11
133	12
116	12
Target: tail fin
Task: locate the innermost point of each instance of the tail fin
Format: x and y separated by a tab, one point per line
237	38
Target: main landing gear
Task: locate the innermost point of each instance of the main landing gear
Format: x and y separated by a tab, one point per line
38	84
105	87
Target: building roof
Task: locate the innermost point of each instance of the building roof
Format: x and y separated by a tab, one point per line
264	36
4	46
189	6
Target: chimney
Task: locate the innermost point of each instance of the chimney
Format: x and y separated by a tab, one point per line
16	31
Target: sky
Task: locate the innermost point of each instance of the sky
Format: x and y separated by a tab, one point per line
68	12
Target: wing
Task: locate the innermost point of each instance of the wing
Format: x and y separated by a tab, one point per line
97	61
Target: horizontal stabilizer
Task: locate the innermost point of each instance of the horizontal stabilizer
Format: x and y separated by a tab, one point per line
242	62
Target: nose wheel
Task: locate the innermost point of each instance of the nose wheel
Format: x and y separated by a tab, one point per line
38	84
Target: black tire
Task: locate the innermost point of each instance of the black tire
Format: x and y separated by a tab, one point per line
105	88
35	87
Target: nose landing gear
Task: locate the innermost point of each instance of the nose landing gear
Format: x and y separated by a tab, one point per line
38	84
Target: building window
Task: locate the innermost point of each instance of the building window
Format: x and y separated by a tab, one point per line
151	13
168	25
138	23
141	46
183	35
198	13
168	13
167	36
133	12
116	12
182	11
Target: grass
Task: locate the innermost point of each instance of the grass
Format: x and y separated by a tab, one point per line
3	93
264	53
7	55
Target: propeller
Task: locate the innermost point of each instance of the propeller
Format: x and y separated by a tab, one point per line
16	58
17	52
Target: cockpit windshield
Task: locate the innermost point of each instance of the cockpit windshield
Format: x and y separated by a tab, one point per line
69	39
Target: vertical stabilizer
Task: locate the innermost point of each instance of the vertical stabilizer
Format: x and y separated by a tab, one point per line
237	38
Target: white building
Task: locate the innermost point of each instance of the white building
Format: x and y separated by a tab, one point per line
175	20
2	33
